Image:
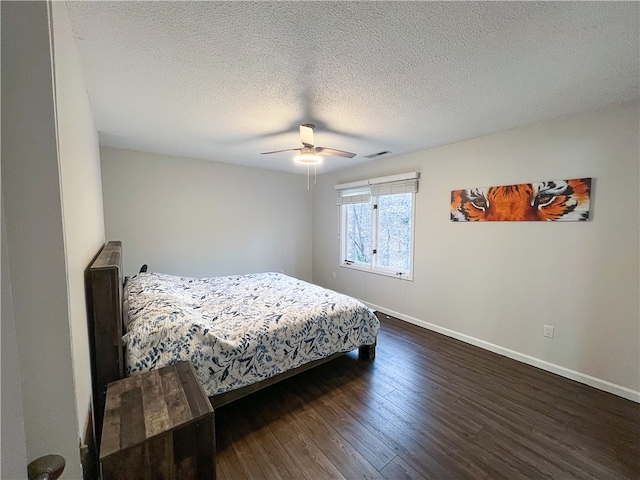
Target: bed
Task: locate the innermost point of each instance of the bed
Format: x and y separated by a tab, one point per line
242	333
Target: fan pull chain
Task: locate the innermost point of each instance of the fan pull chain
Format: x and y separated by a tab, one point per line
315	176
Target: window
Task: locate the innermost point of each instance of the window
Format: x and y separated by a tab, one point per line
358	247
377	224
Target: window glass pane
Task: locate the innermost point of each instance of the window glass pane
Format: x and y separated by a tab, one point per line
394	231
358	235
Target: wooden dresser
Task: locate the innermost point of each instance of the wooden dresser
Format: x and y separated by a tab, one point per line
158	425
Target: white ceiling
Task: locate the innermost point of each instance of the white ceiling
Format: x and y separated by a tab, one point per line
225	81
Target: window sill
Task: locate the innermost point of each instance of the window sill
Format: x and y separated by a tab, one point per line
385	273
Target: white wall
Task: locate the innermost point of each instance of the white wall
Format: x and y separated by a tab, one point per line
497	283
79	163
13	460
35	235
54	226
199	218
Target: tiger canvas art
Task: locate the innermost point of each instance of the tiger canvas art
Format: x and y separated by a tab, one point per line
555	200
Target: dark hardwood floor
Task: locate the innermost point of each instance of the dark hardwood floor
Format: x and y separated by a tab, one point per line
428	407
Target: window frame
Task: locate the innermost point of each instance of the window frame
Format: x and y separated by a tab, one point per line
373	266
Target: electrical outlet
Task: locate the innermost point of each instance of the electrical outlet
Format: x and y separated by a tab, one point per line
334	274
548	331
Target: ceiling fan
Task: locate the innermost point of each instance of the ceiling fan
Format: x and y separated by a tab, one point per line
309	153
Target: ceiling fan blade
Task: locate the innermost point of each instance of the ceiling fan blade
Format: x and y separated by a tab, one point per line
306	135
334	153
278	151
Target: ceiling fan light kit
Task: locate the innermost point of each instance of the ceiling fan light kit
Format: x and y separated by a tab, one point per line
309	153
307	157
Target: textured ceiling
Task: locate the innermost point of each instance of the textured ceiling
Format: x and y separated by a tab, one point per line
225	81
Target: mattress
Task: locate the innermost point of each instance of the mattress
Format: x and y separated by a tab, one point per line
238	330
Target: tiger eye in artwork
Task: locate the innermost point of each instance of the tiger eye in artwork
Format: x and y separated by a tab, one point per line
480	203
542	200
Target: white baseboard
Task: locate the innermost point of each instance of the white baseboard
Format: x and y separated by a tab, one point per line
618	390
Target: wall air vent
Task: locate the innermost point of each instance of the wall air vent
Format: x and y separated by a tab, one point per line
379	154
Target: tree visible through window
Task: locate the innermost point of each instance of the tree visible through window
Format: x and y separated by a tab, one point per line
358	232
394	231
378	235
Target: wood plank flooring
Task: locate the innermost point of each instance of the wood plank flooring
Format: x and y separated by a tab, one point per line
427	407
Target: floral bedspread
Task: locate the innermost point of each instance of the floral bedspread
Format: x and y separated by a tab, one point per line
238	330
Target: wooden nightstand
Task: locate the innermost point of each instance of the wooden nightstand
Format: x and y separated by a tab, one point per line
158	425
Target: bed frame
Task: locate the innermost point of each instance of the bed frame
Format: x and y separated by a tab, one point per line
104	296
